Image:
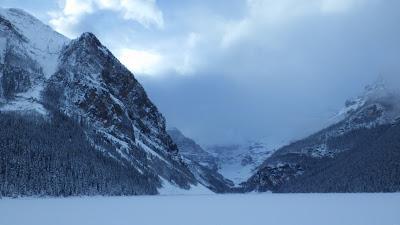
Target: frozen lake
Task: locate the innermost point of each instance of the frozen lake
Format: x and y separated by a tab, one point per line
251	209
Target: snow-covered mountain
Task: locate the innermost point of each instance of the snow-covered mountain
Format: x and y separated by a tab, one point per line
189	149
44	73
29	52
201	163
357	153
238	162
228	165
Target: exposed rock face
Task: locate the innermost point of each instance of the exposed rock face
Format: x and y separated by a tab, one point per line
191	150
44	72
93	86
201	163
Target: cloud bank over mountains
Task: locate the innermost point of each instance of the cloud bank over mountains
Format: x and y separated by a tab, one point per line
225	71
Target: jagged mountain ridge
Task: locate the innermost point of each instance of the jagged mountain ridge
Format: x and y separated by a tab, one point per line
312	164
201	163
44	72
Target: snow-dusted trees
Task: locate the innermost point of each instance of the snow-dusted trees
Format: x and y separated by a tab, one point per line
372	164
39	157
369	163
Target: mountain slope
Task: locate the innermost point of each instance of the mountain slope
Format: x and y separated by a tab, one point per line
28	56
189	149
344	157
201	163
238	162
44	73
371	166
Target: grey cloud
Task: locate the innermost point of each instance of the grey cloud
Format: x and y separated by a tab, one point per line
282	81
289	89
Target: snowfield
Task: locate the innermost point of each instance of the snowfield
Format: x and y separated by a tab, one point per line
250	209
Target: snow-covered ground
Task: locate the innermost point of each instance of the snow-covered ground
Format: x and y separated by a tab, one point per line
170	189
251	209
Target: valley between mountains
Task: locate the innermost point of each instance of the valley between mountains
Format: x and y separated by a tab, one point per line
76	122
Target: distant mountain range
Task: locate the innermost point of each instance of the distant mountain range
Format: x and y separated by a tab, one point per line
201	163
74	121
235	163
238	162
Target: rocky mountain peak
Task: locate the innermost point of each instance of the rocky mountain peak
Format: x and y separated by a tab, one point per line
89	36
82	80
378	95
331	158
89	42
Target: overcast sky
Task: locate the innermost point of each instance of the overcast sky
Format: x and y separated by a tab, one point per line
224	71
